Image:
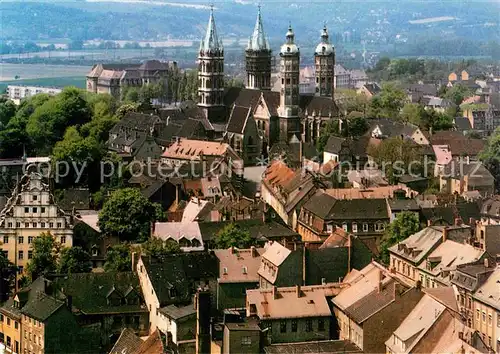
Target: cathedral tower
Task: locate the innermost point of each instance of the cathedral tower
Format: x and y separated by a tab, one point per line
211	73
258	58
324	62
289	93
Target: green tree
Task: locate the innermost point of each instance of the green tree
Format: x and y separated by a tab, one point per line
490	156
7	112
49	121
396	157
156	247
357	126
127	214
86	153
233	236
413	113
350	101
457	93
8	277
331	128
45	255
118	259
125	108
74	260
404	225
388	103
132	95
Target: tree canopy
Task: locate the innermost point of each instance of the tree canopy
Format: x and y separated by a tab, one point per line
8	277
388	103
396	157
74	260
156	247
127	214
233	235
45	255
118	259
405	224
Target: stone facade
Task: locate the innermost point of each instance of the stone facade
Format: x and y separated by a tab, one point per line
29	212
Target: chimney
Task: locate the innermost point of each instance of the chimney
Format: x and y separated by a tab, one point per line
429	222
458	221
231	250
253	251
134	261
275	292
445	233
69	302
486	262
380	278
298	291
202	321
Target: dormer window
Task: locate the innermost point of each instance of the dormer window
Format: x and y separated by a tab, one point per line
224	270
245	270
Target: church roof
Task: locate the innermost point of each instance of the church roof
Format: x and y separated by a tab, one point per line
238	119
211	40
258	40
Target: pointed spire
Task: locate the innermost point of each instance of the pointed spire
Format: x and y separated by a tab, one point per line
211	40
290	35
324	35
258	40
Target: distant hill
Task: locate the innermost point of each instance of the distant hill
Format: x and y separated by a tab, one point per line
379	23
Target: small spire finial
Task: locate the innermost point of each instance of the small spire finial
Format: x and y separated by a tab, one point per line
289	25
211	7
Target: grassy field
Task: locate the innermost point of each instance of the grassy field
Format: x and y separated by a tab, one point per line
78	81
8	72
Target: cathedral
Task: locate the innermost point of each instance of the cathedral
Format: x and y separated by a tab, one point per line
277	118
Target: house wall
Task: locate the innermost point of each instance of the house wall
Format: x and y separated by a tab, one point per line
244	341
268	196
182	330
149	149
420	138
327	156
302	334
11	329
405	268
348	329
33	335
150	297
233	295
486	322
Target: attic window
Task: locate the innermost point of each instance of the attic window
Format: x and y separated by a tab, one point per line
245	270
224	271
310	301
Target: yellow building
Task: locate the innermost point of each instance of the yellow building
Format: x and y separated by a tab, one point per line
10	326
28	213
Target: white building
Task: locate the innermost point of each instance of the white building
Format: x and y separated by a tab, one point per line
29	212
17	92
